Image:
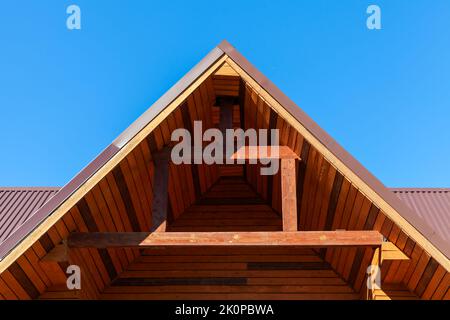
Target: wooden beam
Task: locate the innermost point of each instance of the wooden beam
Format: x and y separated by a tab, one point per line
288	195
255	153
264	152
160	192
307	239
373	274
226	113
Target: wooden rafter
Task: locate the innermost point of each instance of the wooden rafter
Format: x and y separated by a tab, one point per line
307	239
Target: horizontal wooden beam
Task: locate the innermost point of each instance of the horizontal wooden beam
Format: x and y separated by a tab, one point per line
264	152
251	153
308	239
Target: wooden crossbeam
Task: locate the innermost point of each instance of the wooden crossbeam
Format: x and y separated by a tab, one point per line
264	152
255	153
307	239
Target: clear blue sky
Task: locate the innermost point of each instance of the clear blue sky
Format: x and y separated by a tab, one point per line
384	95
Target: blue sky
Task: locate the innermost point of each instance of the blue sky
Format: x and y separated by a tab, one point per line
383	94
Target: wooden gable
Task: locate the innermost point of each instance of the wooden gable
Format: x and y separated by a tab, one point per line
118	197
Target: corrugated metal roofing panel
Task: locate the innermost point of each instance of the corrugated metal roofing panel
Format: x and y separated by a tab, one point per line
431	204
17	205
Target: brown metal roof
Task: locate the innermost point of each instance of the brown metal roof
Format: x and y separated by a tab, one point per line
225	48
17	205
431	204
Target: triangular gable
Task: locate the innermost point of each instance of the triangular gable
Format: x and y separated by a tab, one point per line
53	210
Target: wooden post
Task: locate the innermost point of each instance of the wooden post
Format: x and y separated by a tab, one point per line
226	119
226	113
160	193
288	195
374	278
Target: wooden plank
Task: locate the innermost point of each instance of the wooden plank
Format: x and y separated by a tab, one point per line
264	152
390	252
231	296
178	176
226	70
310	239
187	180
224	288
428	274
433	283
186	259
288	195
226	116
160	192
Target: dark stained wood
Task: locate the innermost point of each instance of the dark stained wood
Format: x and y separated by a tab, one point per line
337	184
46	242
301	172
272	125
426	278
24	281
126	198
194	170
288	266
160	192
226	113
92	227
